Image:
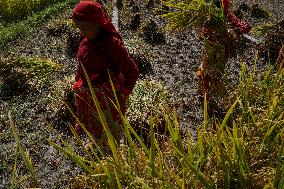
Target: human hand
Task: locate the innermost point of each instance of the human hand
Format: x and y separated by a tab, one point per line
125	91
233	33
202	33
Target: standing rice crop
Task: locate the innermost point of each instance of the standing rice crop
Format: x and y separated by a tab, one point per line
13	10
244	150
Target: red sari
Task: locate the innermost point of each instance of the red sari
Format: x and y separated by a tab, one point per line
100	56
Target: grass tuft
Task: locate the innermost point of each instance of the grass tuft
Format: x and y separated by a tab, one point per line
245	150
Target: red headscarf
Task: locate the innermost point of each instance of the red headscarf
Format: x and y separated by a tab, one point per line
90	11
226	4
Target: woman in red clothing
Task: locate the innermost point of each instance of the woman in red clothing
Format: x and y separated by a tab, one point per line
216	50
101	53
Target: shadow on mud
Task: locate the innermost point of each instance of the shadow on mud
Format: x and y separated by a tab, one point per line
64	116
274	41
152	34
14	81
144	65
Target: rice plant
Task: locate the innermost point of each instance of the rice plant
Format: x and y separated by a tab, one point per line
196	14
12	31
13	10
26	157
244	150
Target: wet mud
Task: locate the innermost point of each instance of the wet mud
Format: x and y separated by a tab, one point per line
162	56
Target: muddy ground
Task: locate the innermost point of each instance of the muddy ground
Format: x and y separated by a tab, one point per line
173	61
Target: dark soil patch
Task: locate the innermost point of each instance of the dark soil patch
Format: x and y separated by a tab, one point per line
57	31
135	22
272	44
152	33
144	65
14	81
72	44
64	116
258	12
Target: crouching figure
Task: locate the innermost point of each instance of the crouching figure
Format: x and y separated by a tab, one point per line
101	54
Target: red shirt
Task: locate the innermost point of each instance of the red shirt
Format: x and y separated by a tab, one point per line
106	52
241	25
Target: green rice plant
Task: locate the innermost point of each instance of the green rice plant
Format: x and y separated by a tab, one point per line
14	10
146	98
22	73
14	30
246	152
196	14
13	179
26	157
40	67
262	29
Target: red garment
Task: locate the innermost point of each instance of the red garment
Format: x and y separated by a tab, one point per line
90	11
241	25
226	4
102	54
86	109
97	56
206	71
